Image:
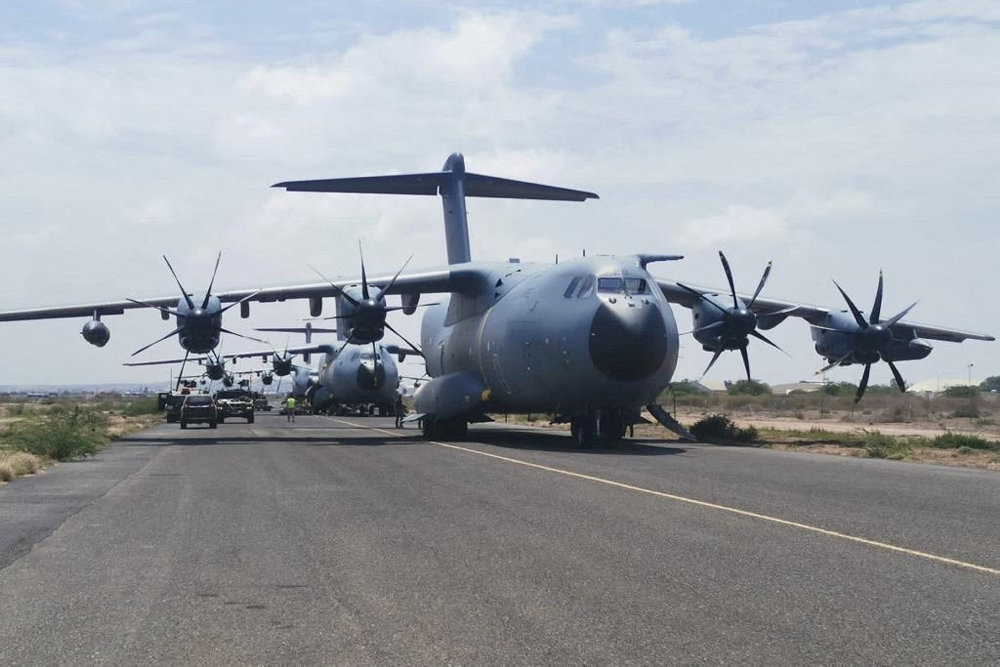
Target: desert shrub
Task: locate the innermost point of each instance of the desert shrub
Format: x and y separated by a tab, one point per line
6	472
880	446
966	412
62	434
23	463
957	440
961	392
751	387
720	428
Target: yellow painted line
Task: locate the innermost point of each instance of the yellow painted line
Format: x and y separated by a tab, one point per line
708	505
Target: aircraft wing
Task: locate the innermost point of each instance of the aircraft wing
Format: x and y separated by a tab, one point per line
434	281
264	354
85	310
771	312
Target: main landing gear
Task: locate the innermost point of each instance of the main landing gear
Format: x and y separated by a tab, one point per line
598	427
445	429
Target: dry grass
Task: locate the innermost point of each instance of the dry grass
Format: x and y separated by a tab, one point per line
15	464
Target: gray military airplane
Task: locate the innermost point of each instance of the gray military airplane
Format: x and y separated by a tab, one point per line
353	374
592	340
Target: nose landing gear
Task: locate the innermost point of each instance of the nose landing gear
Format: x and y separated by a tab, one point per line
598	427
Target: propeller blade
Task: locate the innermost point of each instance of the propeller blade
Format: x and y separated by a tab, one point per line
896	318
339	291
864	383
158	340
236	303
854	309
341	348
208	292
877	307
184	292
729	277
159	308
709	327
760	336
746	361
835	363
900	382
390	328
233	333
698	294
714	358
760	286
364	277
392	282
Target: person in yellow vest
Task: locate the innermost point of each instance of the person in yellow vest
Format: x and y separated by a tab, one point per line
290	403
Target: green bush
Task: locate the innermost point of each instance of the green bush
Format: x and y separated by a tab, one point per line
957	440
147	405
880	446
720	428
62	434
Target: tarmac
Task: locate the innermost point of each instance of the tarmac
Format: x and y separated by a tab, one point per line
348	541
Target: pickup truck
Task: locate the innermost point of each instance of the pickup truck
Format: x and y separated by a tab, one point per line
235	403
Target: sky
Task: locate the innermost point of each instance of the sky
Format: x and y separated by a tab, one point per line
836	139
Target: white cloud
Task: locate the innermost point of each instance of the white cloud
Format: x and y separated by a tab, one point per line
836	145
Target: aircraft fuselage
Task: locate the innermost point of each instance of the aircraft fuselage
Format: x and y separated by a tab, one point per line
584	335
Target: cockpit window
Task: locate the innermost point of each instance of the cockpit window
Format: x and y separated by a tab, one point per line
580	287
613	285
571	290
636	286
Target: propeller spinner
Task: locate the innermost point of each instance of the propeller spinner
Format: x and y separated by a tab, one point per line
720	327
871	339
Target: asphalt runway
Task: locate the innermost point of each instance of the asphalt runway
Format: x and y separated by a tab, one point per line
346	541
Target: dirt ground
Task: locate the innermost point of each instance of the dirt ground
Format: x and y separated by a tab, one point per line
783	432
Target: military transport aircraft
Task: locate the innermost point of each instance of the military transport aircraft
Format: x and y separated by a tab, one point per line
592	340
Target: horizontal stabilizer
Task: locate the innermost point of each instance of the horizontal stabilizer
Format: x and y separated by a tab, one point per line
476	185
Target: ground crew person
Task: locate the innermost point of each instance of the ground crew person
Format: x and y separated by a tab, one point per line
291	408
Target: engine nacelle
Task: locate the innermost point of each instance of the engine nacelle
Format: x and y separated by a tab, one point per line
96	333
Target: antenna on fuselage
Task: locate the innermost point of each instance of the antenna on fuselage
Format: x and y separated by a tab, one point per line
454	184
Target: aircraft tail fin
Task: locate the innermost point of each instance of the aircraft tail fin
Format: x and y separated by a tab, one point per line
454	184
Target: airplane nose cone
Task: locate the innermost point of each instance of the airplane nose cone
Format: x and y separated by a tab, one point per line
627	343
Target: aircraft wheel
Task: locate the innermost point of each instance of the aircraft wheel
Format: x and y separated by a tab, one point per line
184	424
222	420
213	424
250	419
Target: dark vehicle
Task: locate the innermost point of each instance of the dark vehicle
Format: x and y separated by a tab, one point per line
234	403
260	402
199	409
170	402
